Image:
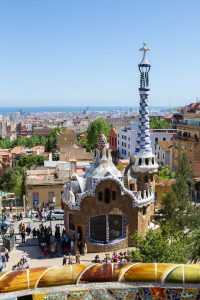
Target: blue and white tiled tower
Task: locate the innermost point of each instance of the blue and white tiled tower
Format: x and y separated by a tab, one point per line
143	139
142	167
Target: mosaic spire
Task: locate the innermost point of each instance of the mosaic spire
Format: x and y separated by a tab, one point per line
143	136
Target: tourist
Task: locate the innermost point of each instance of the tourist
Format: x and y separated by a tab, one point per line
23	227
23	235
52	250
72	246
78	261
20	228
1	265
6	254
70	260
64	260
85	249
34	233
97	259
3	258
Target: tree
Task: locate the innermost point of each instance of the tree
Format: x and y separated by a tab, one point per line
157	247
30	160
13	181
96	128
156	123
178	212
195	246
165	173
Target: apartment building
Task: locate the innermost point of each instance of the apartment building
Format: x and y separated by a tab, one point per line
126	139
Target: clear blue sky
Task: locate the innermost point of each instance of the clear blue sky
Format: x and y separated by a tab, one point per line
85	52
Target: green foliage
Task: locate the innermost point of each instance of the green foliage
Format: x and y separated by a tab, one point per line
178	212
177	239
30	160
48	142
165	173
156	246
95	128
13	181
195	245
156	123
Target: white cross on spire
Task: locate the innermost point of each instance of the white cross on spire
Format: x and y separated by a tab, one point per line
145	48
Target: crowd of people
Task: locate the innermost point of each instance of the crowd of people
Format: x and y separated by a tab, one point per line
70	259
4	257
114	258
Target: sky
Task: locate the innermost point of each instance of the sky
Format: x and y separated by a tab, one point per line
85	52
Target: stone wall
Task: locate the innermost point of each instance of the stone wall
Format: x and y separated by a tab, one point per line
122	205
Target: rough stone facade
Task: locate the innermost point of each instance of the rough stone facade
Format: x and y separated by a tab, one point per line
136	218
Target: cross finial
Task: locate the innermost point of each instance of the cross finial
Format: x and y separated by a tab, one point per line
145	48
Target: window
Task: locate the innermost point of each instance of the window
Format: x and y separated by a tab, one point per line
100	196
164	139
182	147
106	228
146	161
50	196
191	148
156	140
140	161
71	222
115	227
152	160
98	228
107	196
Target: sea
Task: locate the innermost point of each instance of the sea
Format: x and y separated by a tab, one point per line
75	109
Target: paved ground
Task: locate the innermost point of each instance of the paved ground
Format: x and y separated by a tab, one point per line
35	255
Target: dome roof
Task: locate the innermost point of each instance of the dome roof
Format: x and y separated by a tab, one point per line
101	142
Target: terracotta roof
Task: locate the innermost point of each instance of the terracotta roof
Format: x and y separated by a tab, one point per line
35	148
165	145
5	153
17	150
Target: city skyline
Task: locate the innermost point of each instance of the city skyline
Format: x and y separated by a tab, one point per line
85	53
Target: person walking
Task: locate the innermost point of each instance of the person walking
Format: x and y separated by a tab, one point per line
6	254
64	260
23	235
70	262
78	261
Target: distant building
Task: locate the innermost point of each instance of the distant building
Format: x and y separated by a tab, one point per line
163	152
65	138
127	139
42	131
188	140
46	185
113	139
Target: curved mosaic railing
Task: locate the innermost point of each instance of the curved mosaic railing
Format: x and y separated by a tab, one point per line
140	273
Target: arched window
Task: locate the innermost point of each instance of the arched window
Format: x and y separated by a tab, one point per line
140	161
106	228
113	195
152	160
146	161
107	196
100	196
